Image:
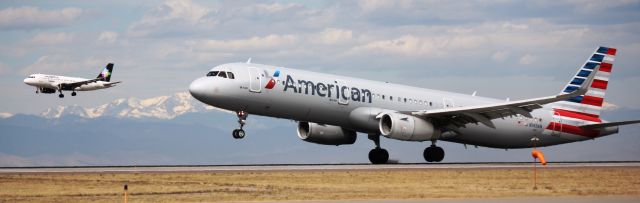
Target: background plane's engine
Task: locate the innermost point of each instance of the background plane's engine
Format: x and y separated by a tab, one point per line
47	90
325	134
406	127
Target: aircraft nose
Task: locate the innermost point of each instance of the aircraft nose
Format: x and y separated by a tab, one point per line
201	88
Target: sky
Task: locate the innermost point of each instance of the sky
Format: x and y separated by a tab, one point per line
501	49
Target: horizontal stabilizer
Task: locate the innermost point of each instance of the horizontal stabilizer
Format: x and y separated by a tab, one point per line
611	124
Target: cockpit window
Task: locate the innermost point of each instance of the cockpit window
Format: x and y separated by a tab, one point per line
212	73
222	74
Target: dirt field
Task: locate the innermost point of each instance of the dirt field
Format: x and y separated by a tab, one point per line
318	185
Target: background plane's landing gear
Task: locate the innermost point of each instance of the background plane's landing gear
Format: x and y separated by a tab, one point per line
61	95
242	118
433	153
378	155
73	94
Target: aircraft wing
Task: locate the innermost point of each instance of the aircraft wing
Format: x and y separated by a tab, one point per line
460	116
77	84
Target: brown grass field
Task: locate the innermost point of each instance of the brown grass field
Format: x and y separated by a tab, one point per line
319	185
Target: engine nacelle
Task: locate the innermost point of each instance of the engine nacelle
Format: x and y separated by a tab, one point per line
47	90
325	134
406	127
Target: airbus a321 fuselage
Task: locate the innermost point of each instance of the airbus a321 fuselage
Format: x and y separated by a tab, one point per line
49	84
330	109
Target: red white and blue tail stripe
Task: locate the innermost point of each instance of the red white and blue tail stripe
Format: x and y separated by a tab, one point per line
585	109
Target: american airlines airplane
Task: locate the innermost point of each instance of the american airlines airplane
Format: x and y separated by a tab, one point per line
49	84
330	109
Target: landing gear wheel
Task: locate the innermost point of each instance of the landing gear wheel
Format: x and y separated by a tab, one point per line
73	94
61	95
378	156
238	133
433	154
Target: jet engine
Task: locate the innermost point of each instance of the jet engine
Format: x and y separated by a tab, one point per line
325	134
47	90
406	127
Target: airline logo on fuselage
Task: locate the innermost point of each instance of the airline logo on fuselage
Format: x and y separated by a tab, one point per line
330	90
274	80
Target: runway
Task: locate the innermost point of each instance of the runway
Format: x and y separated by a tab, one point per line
303	167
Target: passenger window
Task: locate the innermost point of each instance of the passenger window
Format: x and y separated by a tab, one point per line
222	74
391	98
405	100
231	76
212	73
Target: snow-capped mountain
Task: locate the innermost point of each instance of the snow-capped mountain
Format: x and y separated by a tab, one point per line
5	115
162	107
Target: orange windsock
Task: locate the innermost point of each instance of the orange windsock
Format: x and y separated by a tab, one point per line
538	155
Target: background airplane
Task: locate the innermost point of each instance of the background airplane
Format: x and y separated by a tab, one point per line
330	109
49	84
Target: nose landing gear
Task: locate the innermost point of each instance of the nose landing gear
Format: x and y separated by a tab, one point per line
242	117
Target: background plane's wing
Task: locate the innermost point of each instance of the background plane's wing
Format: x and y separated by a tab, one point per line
460	116
77	84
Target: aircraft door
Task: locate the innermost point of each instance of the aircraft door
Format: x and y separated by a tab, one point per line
557	124
255	80
344	93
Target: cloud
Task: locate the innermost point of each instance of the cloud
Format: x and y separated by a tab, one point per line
527	59
424	46
253	43
51	38
108	37
3	69
173	17
26	18
500	56
333	36
62	64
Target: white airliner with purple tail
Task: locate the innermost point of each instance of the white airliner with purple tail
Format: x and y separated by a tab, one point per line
331	109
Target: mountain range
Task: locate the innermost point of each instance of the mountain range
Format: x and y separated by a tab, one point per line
162	107
177	129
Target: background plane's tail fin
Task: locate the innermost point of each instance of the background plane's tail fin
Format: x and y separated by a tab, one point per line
587	107
105	75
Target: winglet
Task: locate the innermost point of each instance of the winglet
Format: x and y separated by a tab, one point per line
249	61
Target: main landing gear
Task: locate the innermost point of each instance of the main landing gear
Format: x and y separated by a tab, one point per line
72	94
433	153
378	155
242	117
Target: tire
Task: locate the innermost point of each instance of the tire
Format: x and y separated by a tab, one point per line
235	133
438	154
240	133
378	156
428	154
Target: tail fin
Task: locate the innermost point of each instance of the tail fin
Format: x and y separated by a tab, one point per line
587	107
105	75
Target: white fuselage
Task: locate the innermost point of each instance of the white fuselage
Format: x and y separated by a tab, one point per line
331	99
53	81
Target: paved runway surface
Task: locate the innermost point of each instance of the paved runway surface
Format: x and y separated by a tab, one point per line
143	169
